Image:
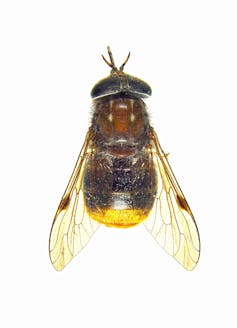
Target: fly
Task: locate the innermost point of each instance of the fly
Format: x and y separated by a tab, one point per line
122	178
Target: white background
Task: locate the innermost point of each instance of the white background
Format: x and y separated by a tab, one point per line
49	61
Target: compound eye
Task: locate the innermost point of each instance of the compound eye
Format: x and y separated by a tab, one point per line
106	87
121	83
139	87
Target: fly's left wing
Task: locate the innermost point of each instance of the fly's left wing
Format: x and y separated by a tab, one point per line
171	221
72	227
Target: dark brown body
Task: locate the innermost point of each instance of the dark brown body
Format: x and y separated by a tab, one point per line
122	176
120	180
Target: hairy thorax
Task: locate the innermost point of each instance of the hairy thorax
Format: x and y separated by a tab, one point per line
120	126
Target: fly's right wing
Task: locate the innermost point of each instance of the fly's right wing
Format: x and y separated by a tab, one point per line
171	221
72	227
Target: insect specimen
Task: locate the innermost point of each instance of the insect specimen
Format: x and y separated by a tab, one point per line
122	178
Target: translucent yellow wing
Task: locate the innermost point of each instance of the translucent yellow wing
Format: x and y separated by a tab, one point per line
72	227
171	221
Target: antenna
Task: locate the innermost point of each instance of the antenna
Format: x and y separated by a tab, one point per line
112	64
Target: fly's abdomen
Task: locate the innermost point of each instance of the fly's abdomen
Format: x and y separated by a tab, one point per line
119	192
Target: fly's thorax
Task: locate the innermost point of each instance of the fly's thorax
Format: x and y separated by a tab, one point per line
120	122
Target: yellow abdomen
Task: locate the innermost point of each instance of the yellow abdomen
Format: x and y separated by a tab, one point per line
123	218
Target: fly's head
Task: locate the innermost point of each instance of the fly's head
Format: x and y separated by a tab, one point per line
119	82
